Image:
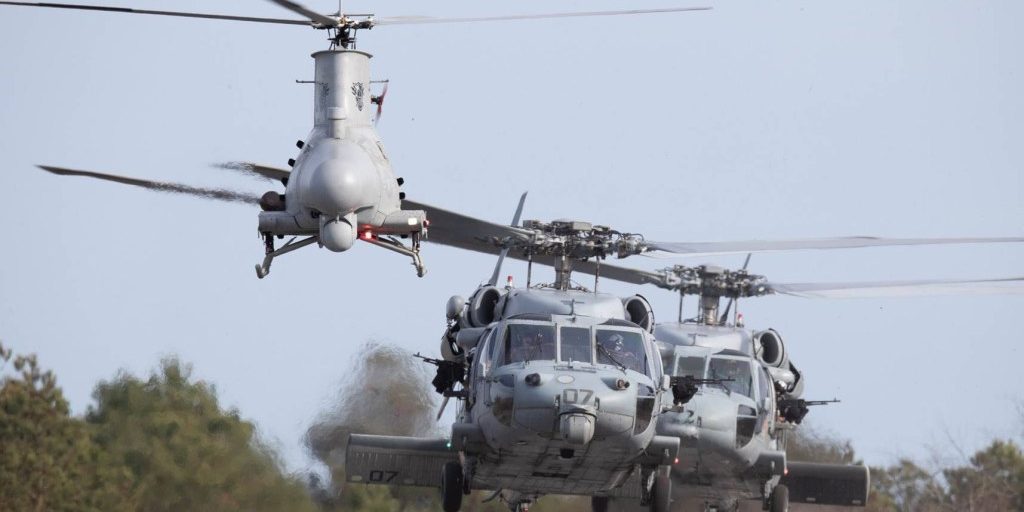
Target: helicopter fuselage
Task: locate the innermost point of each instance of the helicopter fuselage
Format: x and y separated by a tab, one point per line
729	447
342	186
564	421
732	431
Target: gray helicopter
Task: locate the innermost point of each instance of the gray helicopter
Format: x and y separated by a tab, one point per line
734	392
737	394
341	186
559	390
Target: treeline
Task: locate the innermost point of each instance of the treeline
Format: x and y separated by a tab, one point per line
990	480
164	443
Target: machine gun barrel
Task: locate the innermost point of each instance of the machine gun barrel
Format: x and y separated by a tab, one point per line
793	410
448	374
821	402
806	403
435	362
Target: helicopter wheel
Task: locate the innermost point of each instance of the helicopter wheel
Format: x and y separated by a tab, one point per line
451	487
599	504
780	499
661	494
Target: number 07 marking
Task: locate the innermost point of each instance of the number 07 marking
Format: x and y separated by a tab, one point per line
572	396
382	476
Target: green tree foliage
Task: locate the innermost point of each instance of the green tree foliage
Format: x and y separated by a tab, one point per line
181	451
47	459
993	479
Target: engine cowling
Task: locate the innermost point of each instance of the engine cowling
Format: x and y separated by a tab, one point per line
770	348
483	306
772	352
639	311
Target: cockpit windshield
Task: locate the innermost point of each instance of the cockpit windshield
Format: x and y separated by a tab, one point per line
527	342
690	366
576	345
622	348
738	370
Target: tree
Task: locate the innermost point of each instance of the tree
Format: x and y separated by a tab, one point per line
181	451
994	480
48	461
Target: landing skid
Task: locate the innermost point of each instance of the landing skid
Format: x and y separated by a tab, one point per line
389	243
392	244
268	241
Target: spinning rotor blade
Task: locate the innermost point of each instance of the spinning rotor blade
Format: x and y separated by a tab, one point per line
179	14
255	170
900	288
422	20
865	289
206	193
462	231
504	252
313	16
713	248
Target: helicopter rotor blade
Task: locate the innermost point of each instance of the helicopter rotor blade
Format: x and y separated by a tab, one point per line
868	289
716	248
313	16
180	14
218	194
423	20
462	231
504	252
865	289
255	170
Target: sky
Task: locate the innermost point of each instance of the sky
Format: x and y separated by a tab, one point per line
757	120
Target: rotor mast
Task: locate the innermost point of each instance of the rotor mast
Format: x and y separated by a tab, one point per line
566	242
711	283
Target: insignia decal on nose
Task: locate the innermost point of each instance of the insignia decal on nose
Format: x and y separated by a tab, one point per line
357	91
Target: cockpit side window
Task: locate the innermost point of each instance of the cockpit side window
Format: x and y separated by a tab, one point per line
525	342
484	351
575	344
625	348
691	366
667	360
736	371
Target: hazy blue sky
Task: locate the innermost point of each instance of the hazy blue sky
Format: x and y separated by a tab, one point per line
756	120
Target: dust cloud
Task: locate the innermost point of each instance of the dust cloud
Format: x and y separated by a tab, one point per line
386	391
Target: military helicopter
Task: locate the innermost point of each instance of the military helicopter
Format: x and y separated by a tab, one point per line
558	389
341	187
737	394
731	425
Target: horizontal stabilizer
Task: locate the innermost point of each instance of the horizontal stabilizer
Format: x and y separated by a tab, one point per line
827	484
394	460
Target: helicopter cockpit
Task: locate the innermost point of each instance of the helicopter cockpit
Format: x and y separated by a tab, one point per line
616	343
734	372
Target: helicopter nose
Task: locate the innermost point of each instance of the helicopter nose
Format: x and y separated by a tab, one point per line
343	183
577	429
708	421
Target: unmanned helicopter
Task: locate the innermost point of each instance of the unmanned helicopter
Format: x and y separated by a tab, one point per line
341	186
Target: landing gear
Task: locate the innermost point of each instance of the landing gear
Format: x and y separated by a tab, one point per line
599	504
451	487
268	241
661	493
779	501
391	244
